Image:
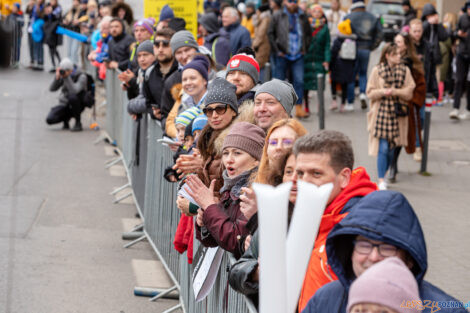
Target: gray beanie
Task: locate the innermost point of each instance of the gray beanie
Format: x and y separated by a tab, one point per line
244	63
66	64
183	38
146	46
221	91
282	91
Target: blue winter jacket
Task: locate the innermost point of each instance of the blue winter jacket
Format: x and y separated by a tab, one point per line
367	28
239	37
383	216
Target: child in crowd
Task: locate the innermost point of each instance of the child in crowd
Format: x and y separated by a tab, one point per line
384	287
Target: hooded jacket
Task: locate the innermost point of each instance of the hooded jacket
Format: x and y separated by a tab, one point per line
385	216
119	49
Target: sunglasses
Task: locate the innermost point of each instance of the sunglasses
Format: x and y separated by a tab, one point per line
220	109
166	43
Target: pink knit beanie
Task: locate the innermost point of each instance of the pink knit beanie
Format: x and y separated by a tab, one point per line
247	137
386	283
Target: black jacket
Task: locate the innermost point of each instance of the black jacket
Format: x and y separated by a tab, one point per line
119	50
433	33
167	101
153	87
464	45
278	32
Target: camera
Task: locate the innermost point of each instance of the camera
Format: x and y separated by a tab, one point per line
62	72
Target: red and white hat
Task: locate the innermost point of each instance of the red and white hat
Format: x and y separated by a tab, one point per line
244	63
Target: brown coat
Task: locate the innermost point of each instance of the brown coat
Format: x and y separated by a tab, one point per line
261	43
375	91
419	95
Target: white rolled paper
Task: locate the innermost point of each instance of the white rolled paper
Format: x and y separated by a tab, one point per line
310	205
272	220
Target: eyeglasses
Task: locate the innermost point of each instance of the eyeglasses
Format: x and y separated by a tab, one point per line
366	247
220	109
166	43
285	142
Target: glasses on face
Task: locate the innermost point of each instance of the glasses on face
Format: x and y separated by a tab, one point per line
220	109
165	43
366	247
285	142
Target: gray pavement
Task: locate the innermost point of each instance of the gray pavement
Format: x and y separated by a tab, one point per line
60	234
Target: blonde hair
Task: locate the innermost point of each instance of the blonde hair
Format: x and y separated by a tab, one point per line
451	18
416	21
264	169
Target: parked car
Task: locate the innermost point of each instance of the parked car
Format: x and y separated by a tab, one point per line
391	14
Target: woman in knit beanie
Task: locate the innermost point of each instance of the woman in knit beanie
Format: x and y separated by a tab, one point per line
195	78
220	107
221	223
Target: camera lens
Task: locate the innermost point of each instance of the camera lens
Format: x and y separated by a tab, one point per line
62	72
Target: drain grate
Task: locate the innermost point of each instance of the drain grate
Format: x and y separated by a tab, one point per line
448	145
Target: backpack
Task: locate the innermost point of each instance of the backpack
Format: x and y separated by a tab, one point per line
89	96
348	50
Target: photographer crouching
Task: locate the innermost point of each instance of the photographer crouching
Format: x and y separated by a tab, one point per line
73	95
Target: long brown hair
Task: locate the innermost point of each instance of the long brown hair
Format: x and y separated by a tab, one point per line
207	138
411	55
388	49
264	169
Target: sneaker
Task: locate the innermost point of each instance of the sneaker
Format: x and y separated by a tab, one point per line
363	99
334	105
52	70
465	115
349	107
382	185
454	114
418	155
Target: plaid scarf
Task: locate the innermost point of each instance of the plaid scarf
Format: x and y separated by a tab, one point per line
386	126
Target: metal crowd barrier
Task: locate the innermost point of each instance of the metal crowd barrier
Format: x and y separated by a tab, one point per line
158	209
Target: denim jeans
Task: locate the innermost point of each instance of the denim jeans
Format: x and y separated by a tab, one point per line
297	69
73	47
38	52
360	67
30	46
421	120
384	158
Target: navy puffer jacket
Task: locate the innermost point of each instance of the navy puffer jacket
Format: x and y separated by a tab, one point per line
383	216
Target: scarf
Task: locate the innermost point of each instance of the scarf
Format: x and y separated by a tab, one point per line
386	126
235	184
316	22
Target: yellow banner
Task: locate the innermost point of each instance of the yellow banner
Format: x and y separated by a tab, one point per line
185	9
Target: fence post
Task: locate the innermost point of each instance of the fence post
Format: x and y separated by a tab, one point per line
321	100
427	128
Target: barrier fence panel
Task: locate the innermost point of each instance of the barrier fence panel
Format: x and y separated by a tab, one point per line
156	197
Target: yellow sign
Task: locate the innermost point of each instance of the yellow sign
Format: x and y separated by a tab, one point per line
185	9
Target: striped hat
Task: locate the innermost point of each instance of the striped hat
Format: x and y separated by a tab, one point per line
187	116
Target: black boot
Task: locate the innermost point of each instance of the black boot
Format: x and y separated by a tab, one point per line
77	127
66	125
392	173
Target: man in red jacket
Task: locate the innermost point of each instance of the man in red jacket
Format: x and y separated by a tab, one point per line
324	157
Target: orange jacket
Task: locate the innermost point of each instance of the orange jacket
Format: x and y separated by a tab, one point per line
319	272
